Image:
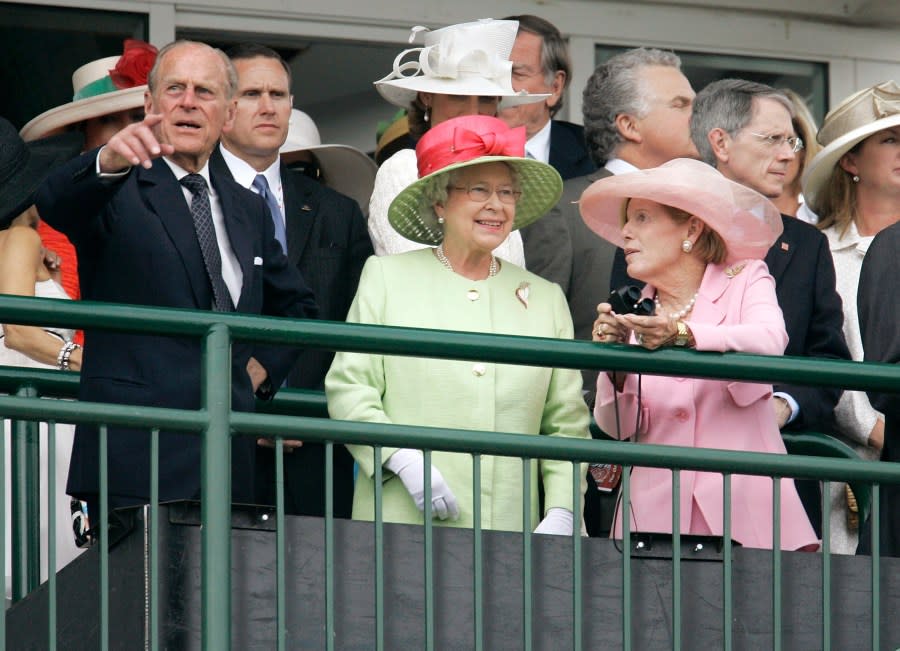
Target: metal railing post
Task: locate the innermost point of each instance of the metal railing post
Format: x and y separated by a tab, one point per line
216	490
25	521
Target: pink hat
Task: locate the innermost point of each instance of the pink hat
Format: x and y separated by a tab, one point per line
462	142
746	221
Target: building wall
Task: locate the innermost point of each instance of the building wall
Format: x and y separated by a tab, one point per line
856	56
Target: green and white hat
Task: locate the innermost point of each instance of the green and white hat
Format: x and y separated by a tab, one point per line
101	87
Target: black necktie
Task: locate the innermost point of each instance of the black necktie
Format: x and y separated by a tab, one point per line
206	235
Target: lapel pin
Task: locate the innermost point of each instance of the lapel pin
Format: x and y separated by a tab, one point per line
785	246
306	207
257	261
522	292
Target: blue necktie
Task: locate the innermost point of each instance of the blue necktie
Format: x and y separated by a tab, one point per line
262	187
201	212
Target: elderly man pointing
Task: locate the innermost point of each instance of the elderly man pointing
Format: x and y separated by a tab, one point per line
153	226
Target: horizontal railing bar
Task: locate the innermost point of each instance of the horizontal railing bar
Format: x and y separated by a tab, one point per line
535	351
58	384
569	449
65	411
468	441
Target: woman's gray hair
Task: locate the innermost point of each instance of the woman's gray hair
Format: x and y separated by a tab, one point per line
614	89
727	104
435	189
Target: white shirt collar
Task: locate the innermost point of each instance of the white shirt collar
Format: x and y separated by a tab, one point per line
180	172
619	166
850	239
538	145
244	174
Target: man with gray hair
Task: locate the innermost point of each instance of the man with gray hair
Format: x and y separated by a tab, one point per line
744	130
637	110
154	226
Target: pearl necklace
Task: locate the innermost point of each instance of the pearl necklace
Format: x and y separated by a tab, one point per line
439	252
680	314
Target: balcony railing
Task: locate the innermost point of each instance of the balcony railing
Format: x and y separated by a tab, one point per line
26	405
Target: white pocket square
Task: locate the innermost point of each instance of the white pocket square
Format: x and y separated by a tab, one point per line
257	261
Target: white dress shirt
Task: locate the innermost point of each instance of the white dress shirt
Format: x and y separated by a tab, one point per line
619	166
538	145
244	175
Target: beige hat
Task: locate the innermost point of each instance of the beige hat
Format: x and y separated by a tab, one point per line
101	87
346	169
852	121
464	59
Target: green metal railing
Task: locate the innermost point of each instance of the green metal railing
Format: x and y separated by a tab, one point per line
216	423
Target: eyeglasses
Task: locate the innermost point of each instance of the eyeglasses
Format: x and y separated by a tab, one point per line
794	142
482	193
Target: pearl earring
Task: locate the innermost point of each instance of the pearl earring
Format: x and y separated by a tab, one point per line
427	115
855	178
687	246
440	220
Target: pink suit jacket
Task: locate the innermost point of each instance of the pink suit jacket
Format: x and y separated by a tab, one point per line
736	310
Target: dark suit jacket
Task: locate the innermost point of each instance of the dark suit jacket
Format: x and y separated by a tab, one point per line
136	244
561	248
328	242
803	270
568	151
879	316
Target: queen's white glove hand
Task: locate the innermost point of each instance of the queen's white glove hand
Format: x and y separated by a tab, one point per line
409	466
557	521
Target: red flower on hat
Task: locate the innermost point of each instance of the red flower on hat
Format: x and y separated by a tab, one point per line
134	65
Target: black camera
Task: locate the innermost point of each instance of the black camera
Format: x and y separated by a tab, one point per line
627	300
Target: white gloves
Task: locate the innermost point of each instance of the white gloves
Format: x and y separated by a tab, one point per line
558	521
409	466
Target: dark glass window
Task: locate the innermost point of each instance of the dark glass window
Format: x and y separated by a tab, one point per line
43	46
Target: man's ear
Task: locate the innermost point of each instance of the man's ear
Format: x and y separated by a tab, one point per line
148	102
556	88
628	128
230	111
720	142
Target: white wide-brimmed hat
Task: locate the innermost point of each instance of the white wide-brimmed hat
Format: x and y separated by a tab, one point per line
849	123
464	59
101	87
746	221
462	142
346	169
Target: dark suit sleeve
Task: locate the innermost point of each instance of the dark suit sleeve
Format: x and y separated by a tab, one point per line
879	311
72	199
286	294
824	338
548	247
360	251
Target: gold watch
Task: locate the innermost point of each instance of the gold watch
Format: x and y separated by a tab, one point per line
683	336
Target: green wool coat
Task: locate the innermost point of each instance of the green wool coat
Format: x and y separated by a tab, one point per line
413	289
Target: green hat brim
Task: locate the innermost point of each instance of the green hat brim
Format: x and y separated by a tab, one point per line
540	183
